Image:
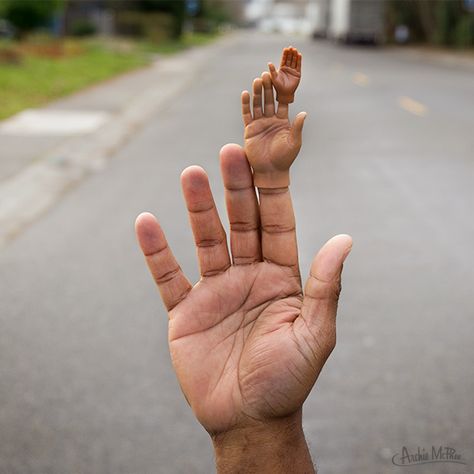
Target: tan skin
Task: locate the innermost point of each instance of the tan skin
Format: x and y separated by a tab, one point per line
247	341
287	78
271	142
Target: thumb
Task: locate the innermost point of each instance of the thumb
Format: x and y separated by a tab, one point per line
323	287
297	127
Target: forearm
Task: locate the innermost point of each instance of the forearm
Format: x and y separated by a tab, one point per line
273	447
278	226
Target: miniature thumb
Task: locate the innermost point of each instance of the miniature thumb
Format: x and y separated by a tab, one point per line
297	127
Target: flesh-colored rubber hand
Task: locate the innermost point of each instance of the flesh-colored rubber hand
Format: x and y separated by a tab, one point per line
287	78
247	343
271	142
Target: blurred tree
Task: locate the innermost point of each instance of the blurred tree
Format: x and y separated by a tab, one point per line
455	24
176	8
404	12
202	15
26	15
428	18
215	10
464	32
443	22
209	14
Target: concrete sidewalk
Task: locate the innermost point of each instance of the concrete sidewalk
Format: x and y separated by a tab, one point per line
19	148
46	151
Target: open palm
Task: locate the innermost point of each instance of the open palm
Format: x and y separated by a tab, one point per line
287	78
246	343
271	142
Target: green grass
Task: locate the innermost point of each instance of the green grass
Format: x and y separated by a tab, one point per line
37	80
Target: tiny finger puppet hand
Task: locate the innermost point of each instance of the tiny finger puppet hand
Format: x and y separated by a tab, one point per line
271	141
287	78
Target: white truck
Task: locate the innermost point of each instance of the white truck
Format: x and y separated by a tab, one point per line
356	21
317	13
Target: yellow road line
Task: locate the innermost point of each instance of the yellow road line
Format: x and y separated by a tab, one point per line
360	79
412	106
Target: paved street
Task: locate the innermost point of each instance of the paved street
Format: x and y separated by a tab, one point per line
86	384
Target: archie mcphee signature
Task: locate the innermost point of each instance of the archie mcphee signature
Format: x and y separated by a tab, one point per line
436	454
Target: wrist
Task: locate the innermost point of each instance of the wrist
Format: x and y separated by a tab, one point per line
271	179
285	98
273	446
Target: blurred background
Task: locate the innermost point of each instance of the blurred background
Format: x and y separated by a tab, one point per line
104	102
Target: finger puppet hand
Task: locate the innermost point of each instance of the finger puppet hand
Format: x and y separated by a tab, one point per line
271	141
287	78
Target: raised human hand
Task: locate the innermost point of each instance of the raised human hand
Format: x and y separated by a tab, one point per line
271	142
246	342
287	78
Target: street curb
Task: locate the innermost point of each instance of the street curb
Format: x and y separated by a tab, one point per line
435	56
32	191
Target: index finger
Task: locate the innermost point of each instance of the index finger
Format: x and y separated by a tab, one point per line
246	113
166	272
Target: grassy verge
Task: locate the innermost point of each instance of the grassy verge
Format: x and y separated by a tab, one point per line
40	75
187	41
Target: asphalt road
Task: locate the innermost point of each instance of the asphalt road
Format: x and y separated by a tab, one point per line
86	384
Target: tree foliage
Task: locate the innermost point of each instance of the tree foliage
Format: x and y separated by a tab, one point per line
26	15
443	22
176	8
